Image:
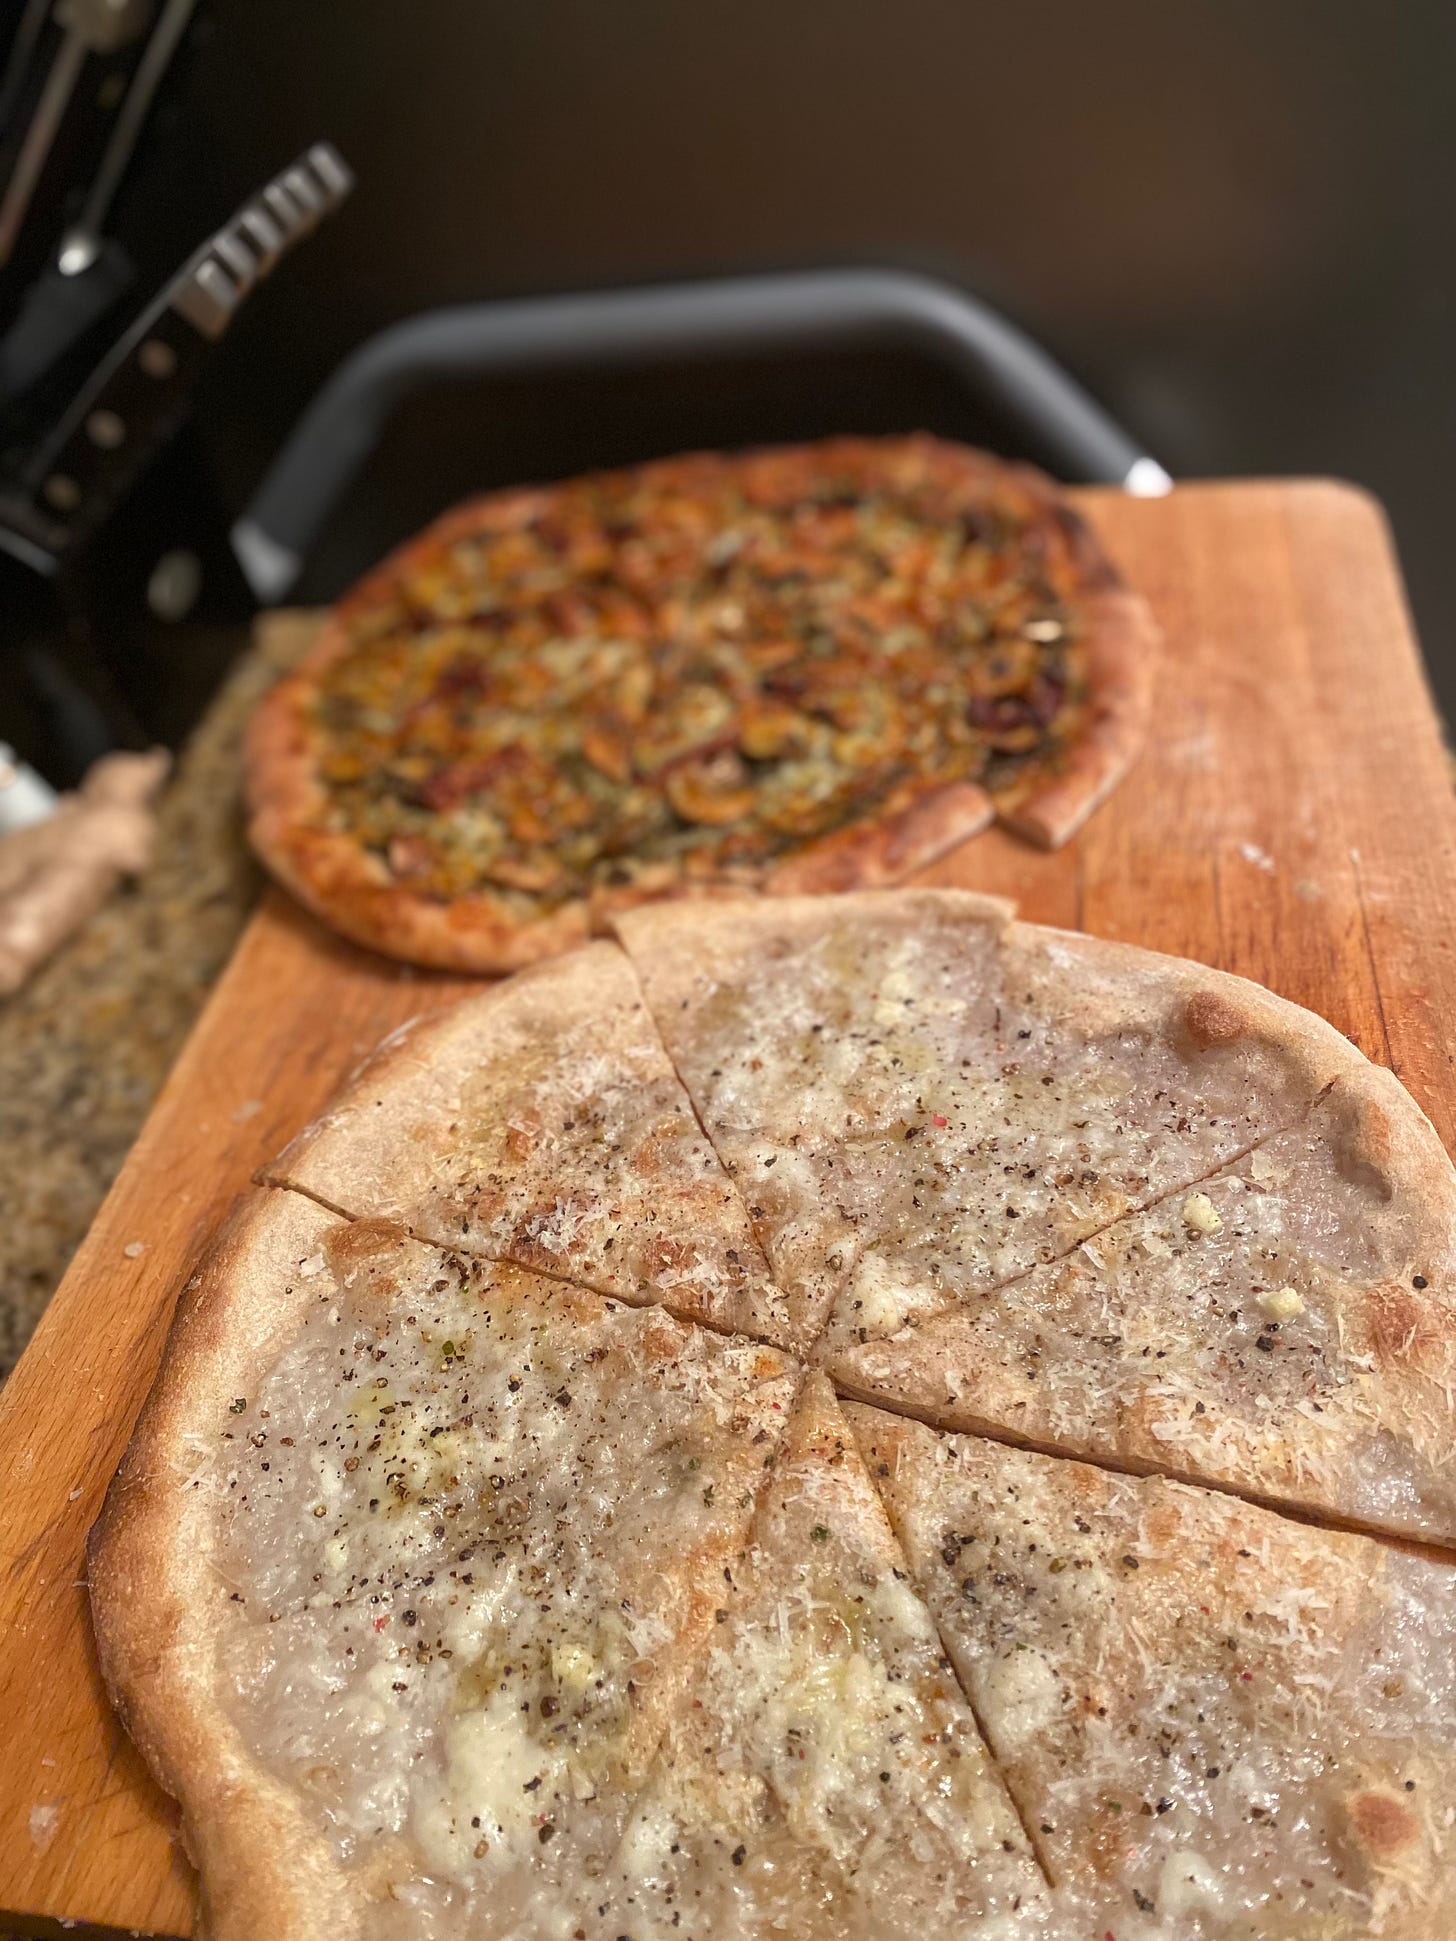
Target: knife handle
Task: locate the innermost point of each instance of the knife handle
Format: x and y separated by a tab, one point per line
136	394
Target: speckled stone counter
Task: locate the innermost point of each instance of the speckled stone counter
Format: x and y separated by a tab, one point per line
86	1045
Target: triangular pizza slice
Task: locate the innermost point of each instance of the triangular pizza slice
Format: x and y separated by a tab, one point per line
407	1566
825	1776
542	1123
1286	1329
908	1085
1215	1720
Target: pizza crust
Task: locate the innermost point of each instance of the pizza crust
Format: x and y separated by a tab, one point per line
160	1612
1123	643
874	855
151	1588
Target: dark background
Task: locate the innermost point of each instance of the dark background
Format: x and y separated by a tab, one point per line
1232	220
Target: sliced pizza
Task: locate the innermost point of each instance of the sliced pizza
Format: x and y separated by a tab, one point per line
1215	1721
450	1594
406	1568
542	1123
1286	1329
825	1776
912	1091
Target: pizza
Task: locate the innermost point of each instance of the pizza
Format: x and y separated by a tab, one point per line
1281	1330
407	1627
829	1777
1213	1719
794	670
841	1416
543	1122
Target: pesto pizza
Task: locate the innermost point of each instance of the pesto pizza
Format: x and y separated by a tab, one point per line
805	669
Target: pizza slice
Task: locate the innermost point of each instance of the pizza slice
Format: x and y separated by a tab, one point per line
543	1123
1215	1721
1286	1329
406	1567
908	1087
825	1776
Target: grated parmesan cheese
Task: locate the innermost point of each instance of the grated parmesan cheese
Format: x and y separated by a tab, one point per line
1280	1303
1200	1214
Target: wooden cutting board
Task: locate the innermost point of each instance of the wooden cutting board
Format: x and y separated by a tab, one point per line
1292	820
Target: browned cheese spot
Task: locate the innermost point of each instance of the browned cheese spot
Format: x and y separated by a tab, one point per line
1161	1527
664	1257
1401	1327
1210	1020
1384	1826
355	1243
654	1155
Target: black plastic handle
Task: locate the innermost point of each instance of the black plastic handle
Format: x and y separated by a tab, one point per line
806	310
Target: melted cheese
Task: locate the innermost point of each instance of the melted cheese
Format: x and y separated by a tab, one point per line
490	1761
886	1294
1280	1303
1200	1215
1023	1694
1188	1885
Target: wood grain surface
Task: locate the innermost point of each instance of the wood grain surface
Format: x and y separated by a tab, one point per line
1292	820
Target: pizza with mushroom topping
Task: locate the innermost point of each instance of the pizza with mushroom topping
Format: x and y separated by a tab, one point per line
802	669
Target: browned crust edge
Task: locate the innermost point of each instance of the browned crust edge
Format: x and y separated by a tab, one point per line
331	876
723	933
1123	642
1122	646
1214	1006
264	1870
872	854
483	933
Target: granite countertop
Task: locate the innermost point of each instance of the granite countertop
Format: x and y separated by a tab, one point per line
85	1046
